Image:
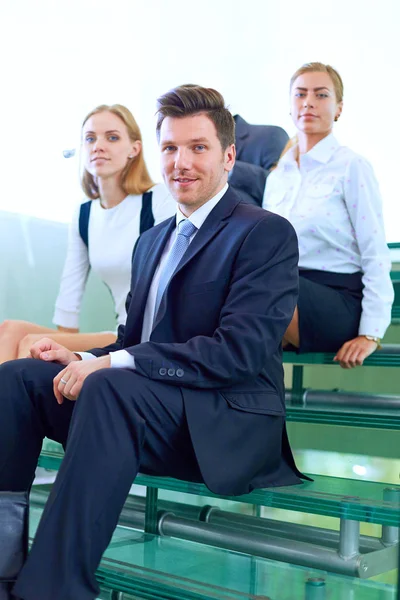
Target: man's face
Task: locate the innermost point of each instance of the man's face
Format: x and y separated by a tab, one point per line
193	164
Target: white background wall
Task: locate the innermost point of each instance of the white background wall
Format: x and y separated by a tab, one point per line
59	60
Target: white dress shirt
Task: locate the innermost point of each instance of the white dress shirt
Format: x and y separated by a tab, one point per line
333	202
122	358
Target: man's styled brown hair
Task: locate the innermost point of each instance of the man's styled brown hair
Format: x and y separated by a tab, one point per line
187	100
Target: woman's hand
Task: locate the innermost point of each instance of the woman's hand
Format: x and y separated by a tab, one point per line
354	352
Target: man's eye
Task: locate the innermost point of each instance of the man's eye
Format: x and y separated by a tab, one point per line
89	139
321	95
300	94
200	147
169	148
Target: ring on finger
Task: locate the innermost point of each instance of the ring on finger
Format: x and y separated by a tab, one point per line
63	381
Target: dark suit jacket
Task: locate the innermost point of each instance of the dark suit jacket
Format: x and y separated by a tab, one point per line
249	181
217	336
259	145
258	148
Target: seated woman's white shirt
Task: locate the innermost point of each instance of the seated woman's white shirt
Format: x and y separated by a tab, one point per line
112	235
334	204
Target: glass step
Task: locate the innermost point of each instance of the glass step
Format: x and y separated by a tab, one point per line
353	417
358	500
148	566
389	356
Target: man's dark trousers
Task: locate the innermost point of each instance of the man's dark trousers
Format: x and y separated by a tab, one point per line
121	421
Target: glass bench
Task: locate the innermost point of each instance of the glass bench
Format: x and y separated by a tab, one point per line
341	408
395	276
152	567
351	501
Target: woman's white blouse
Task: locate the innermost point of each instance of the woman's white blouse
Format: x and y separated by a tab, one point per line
112	235
333	202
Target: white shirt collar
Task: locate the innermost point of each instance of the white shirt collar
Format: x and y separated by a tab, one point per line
201	214
321	152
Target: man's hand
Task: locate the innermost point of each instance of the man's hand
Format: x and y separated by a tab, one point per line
69	381
48	350
354	352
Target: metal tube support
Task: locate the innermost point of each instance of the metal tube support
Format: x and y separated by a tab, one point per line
315	588
115	595
390	534
303	533
257	544
132	515
349	538
342	399
150	519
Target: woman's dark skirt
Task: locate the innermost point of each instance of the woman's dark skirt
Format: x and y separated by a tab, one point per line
329	308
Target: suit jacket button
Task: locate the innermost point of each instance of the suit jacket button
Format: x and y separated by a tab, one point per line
180	372
171	372
162	371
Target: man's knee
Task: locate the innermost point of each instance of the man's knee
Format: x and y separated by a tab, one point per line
95	385
98	379
31	370
11	368
113	385
111	378
15	375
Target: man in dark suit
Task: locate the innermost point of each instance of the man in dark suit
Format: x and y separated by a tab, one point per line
258	148
193	387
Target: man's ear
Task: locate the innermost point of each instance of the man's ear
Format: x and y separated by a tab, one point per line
229	157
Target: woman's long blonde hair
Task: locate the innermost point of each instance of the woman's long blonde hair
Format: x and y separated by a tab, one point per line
135	176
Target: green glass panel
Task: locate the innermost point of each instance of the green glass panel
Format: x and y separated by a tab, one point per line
31	270
154	567
330	496
377	359
365	417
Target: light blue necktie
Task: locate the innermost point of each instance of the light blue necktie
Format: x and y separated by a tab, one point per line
185	231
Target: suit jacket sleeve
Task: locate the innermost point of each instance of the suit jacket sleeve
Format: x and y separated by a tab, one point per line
257	311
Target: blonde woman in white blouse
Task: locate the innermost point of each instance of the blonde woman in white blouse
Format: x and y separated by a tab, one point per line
330	195
116	180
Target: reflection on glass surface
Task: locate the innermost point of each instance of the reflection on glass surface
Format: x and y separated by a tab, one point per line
188	570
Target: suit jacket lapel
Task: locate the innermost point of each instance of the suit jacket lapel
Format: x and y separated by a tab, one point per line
134	321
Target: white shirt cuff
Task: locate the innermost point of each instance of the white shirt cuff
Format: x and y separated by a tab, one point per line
86	355
371	326
64	318
121	359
